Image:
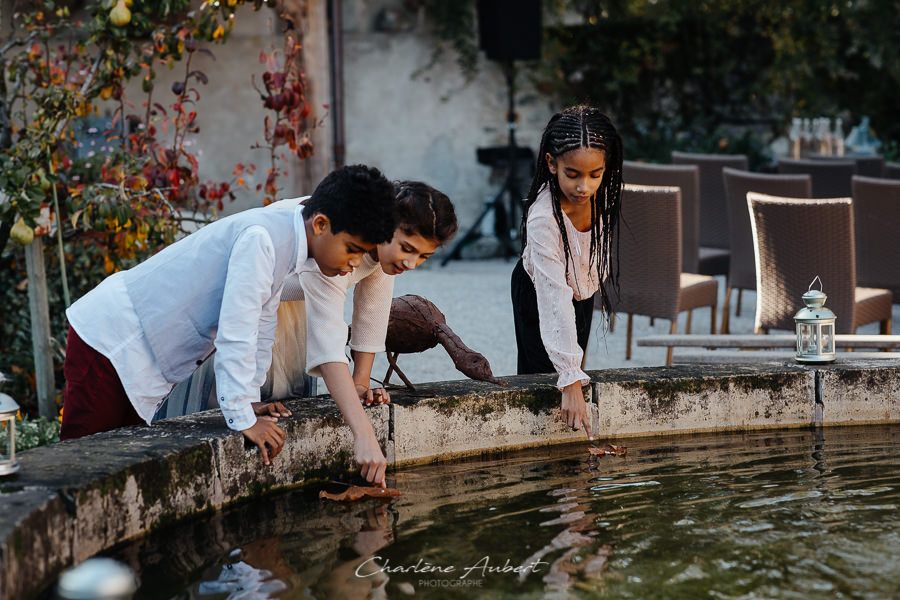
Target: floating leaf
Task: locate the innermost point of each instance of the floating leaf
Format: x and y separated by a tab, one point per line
355	492
608	449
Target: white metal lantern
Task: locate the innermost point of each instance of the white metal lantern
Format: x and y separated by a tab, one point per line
815	328
8	410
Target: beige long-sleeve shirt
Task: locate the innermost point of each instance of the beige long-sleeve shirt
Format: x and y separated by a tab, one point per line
326	331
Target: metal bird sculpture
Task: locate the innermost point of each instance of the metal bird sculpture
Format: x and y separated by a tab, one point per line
416	325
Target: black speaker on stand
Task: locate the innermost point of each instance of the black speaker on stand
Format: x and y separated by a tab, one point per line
508	30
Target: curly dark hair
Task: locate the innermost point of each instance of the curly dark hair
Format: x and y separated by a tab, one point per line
356	199
423	210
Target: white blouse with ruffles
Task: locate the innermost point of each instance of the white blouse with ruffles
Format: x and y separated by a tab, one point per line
545	262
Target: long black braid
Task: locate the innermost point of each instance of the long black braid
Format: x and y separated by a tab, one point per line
584	127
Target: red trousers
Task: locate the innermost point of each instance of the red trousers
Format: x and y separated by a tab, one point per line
94	398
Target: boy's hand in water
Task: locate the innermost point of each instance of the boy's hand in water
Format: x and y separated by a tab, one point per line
574	409
371	461
273	409
370	397
267	436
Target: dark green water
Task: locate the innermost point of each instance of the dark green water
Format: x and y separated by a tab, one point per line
792	514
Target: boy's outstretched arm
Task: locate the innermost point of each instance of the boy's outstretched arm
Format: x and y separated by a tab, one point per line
368	455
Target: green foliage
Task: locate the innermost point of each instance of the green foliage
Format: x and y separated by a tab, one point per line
676	73
31	433
142	190
454	25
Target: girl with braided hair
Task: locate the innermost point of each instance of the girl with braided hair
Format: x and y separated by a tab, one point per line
570	220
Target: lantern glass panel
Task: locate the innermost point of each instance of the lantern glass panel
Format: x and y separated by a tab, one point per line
8	449
827	338
806	337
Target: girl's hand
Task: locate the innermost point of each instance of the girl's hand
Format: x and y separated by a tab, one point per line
371	461
370	397
273	409
574	409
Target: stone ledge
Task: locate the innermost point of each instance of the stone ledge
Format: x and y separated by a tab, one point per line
454	419
102	489
684	399
863	392
74	499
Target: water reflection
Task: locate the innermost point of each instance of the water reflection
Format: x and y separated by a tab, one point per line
343	578
758	515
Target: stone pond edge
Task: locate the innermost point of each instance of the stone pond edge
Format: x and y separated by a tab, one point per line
74	499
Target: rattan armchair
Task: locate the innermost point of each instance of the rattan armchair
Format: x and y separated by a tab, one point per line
867	165
876	215
651	282
742	266
687	178
797	239
715	246
830	179
891	170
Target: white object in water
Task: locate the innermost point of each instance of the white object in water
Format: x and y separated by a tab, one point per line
97	579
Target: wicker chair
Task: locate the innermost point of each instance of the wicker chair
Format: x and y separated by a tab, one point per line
796	239
876	213
867	165
891	170
649	253
686	177
830	179
742	266
714	244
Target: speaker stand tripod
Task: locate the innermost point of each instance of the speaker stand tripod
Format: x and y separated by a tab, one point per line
505	220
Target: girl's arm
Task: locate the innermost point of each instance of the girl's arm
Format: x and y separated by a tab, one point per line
362	373
557	319
554	300
372	298
326	332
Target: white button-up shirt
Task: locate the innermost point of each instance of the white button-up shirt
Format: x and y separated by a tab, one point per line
107	321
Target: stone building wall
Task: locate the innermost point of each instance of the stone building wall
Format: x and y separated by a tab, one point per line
429	127
425	128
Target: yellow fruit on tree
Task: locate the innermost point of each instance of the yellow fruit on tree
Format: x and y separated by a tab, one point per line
120	15
21	232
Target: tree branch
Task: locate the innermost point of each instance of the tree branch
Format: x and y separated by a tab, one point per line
17	42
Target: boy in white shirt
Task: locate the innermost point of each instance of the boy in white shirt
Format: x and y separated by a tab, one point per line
143	330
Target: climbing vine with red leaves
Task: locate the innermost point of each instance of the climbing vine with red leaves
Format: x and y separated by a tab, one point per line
140	189
283	94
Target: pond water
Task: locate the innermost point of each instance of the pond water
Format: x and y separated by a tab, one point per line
789	514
